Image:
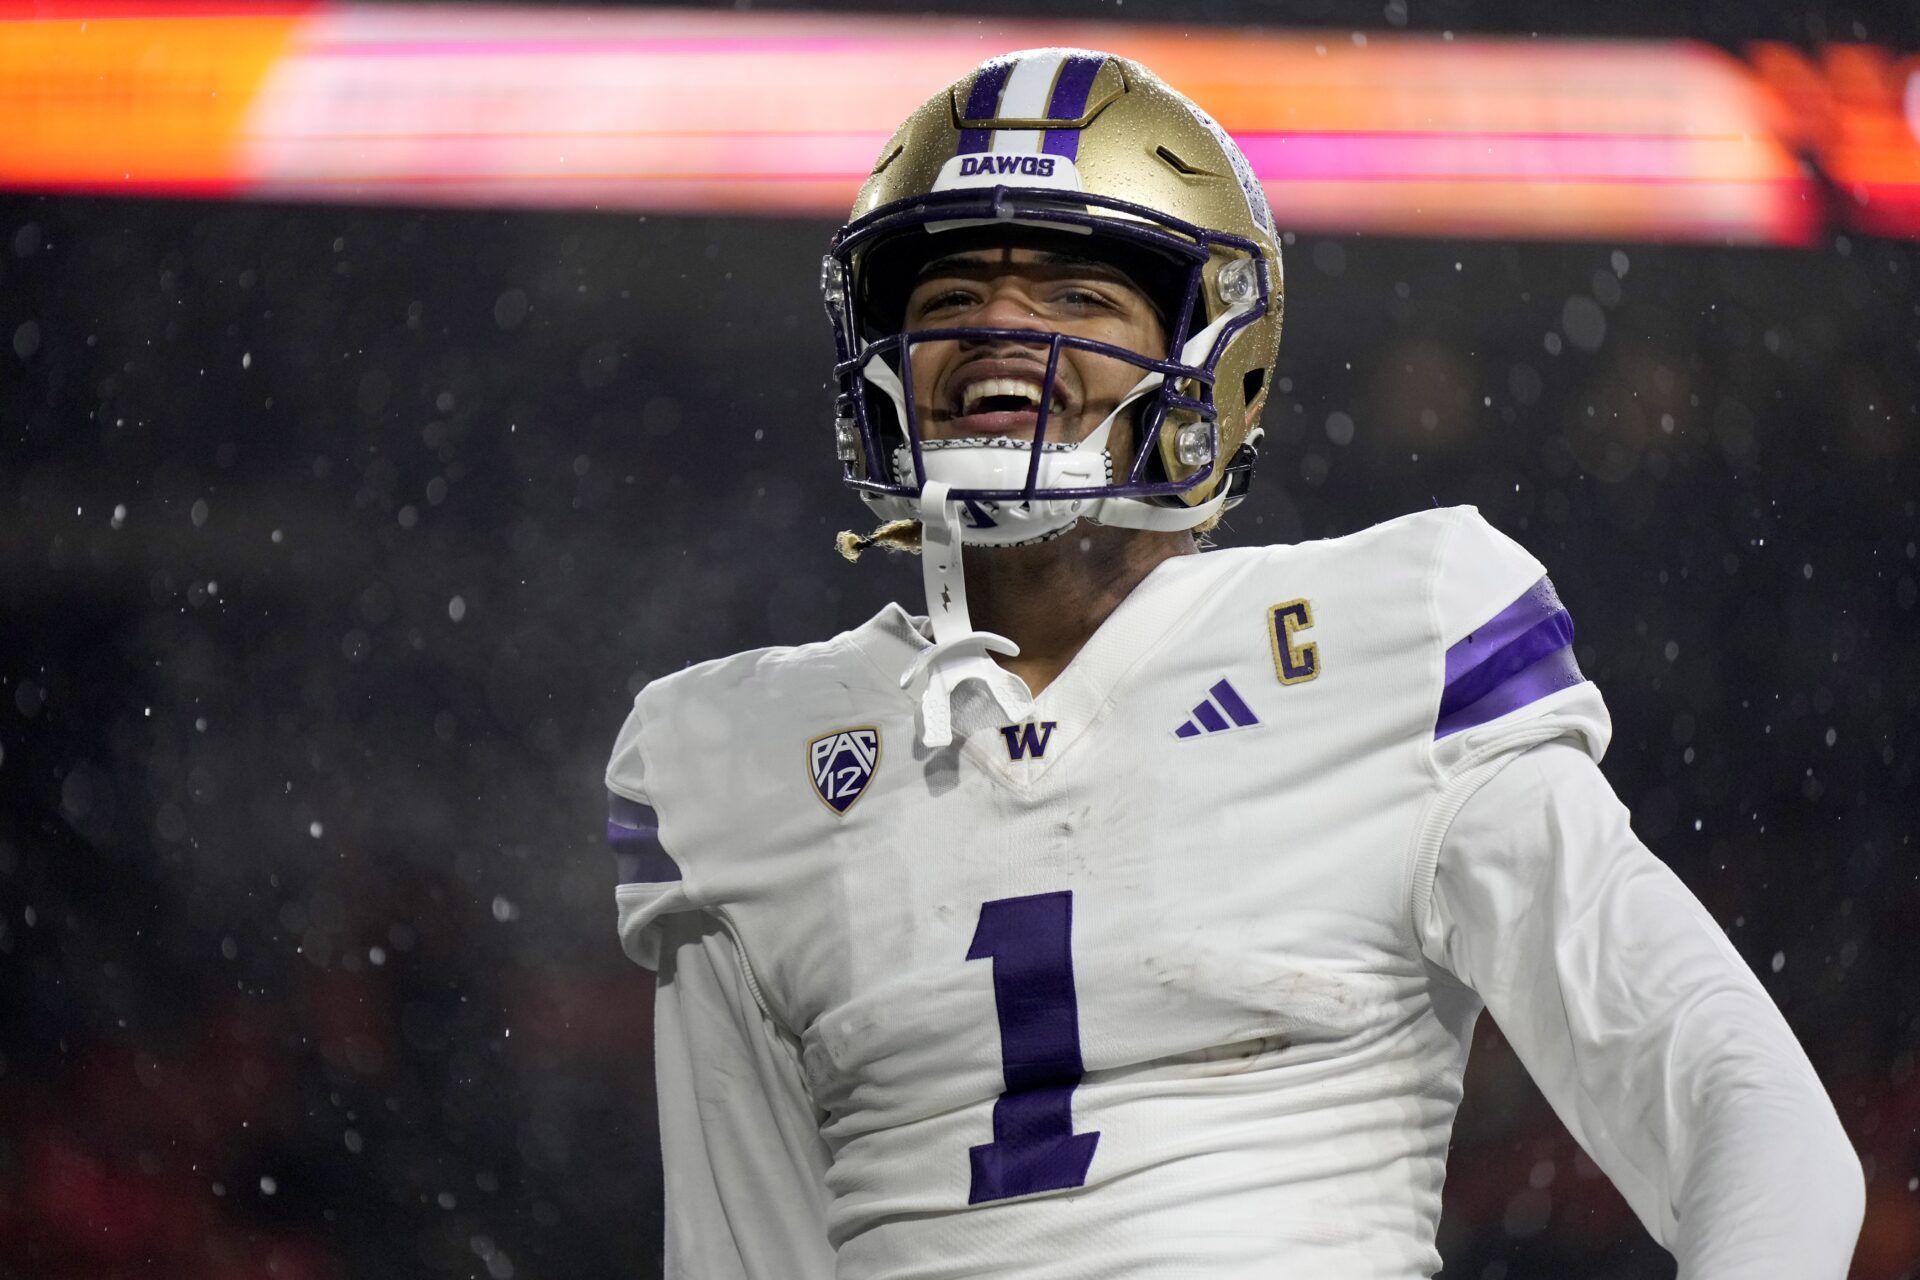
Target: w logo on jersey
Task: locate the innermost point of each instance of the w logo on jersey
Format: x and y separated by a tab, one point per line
841	764
1028	739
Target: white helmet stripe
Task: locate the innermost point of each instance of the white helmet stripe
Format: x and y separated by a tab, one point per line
1028	96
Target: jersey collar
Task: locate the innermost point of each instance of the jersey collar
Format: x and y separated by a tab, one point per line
1083	693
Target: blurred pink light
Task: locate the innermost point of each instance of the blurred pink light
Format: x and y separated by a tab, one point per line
783	114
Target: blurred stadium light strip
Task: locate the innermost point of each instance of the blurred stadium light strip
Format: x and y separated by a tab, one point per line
1856	110
748	113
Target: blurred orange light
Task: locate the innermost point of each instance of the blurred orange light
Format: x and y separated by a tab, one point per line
113	98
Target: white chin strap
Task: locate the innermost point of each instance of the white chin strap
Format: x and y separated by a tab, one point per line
958	653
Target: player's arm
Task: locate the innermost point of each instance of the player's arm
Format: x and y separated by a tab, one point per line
740	1144
743	1163
1642	1026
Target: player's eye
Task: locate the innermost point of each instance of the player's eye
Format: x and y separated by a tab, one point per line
1083	297
943	299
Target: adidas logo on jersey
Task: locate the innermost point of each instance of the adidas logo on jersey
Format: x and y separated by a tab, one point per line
1221	710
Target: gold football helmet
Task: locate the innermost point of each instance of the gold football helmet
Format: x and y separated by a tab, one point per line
1063	143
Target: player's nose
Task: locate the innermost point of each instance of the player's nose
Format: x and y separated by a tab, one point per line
1008	307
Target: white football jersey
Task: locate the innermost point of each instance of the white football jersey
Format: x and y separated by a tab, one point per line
1135	987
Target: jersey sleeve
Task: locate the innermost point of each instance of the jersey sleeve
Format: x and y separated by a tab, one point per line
741	1153
649	883
1643	1027
1509	677
742	1159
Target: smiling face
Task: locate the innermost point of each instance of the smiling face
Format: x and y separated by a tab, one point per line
992	387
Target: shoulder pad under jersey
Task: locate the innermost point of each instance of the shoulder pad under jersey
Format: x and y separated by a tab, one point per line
1509	676
706	753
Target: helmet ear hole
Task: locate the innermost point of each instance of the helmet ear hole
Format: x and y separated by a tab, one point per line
1239	476
1251	384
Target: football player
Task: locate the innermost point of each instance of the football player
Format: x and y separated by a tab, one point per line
1129	914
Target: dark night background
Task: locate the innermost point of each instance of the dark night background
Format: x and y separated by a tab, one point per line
334	541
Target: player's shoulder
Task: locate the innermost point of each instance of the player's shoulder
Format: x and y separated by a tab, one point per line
1453	556
748	673
1497	637
1466	572
1503	639
1433	535
720	707
1439	604
1480	571
711	749
1417	534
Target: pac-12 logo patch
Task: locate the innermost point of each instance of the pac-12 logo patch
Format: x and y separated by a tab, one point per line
841	764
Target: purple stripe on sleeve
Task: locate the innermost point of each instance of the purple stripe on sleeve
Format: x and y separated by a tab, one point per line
1551	633
1535	605
648	865
1550	674
983	103
1207	714
629	813
1069	101
633	833
1521	654
1229	697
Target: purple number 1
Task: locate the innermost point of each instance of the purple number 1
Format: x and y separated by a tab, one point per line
1034	1147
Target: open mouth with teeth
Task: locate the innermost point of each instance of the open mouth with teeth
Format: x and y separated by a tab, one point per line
1002	405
